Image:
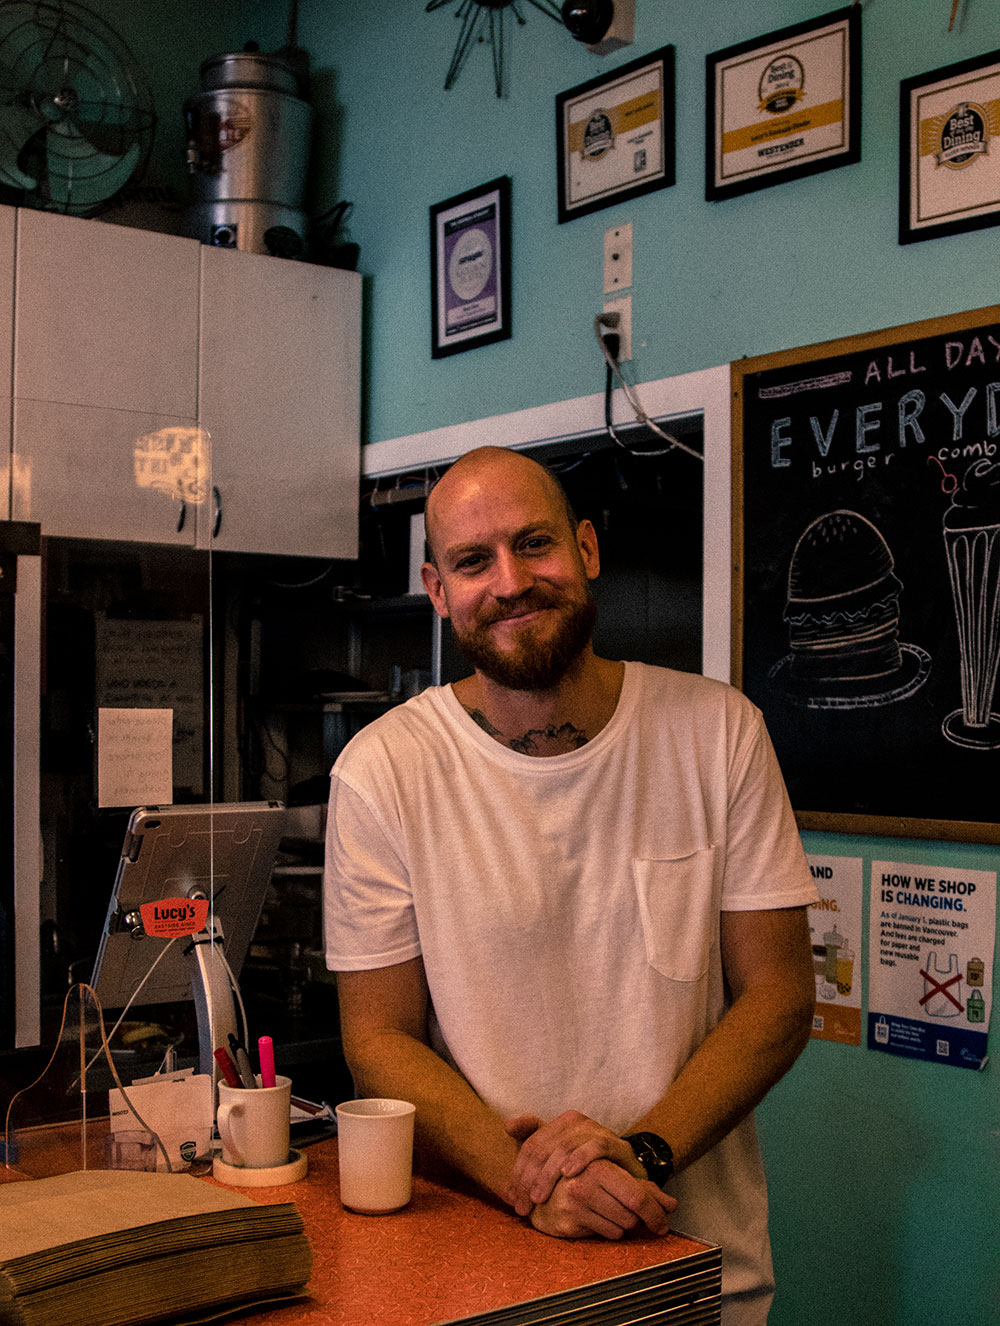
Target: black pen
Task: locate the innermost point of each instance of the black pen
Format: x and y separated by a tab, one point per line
242	1062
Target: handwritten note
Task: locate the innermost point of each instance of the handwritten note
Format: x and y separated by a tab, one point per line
135	757
146	664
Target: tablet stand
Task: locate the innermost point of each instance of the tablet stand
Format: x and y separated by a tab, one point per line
211	987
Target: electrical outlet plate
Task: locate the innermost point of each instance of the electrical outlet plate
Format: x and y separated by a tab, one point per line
618	258
623	307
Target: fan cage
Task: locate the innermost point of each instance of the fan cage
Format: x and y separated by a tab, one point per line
76	113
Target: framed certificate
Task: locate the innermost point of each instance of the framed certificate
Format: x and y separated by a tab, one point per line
470	269
784	105
615	135
949	175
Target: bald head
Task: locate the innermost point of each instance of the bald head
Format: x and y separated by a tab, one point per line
481	473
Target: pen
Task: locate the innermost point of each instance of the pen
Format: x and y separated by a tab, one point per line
242	1062
226	1067
265	1048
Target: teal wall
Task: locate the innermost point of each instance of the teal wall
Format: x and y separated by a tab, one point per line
785	266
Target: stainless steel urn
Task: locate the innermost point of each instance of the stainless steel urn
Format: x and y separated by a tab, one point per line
248	135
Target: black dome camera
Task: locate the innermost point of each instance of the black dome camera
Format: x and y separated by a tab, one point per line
588	20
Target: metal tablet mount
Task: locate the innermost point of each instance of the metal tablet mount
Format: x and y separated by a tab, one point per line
211	985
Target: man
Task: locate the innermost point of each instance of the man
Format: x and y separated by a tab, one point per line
566	900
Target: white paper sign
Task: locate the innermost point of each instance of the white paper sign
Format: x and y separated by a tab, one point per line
931	937
835	934
158	665
135	749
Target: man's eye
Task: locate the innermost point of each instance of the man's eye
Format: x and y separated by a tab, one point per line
470	563
537	543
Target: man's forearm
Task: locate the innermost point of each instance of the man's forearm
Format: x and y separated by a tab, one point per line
754	1045
453	1124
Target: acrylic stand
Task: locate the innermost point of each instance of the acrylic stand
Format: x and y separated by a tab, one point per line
58	1123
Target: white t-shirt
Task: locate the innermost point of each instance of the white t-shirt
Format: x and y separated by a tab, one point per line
567	907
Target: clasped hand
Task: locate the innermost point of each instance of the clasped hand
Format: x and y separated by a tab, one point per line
575	1178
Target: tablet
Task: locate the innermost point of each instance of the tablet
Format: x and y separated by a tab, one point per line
225	851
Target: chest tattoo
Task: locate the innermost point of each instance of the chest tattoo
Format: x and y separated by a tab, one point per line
532	742
479	717
566	734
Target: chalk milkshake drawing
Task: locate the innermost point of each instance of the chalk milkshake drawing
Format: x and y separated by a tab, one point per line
842	613
972	547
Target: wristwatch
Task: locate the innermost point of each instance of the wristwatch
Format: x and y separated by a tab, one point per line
654	1155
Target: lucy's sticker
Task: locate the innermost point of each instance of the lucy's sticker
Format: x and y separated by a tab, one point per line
166	918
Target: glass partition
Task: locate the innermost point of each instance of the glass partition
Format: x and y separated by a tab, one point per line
170	675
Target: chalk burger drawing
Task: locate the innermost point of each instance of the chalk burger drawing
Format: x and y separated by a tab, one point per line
842	613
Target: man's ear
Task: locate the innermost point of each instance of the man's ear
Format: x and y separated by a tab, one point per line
586	541
435	589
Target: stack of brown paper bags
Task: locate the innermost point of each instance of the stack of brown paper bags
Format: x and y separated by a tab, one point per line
114	1247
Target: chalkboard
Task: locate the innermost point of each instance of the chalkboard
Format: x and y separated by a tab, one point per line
866	482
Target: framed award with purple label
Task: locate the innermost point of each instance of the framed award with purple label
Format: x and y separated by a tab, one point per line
470	269
949	140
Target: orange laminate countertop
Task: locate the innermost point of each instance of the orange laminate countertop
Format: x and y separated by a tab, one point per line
448	1254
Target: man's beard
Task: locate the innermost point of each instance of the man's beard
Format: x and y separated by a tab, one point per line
532	664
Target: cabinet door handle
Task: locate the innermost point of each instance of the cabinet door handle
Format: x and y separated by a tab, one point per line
183	516
217	503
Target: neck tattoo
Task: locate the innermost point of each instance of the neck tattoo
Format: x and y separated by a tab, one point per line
533	741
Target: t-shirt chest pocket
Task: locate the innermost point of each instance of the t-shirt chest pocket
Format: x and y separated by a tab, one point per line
679	918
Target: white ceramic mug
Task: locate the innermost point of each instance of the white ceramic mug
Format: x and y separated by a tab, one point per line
375	1146
253	1124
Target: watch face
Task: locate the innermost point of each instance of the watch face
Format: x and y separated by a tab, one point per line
654	1154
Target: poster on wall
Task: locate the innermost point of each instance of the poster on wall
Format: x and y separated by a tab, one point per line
867	573
784	105
470	269
835	934
930	984
949	135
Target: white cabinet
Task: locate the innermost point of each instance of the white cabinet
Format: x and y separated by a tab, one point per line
105	355
280	399
107	316
147	369
76	473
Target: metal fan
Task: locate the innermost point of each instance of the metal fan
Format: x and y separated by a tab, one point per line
76	113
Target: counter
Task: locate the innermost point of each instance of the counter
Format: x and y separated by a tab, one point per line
449	1254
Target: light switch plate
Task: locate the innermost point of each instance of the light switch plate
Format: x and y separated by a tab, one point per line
618	258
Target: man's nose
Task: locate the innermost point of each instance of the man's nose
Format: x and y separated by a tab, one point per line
511	576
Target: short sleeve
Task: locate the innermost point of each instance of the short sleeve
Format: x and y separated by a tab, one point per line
368	917
766	865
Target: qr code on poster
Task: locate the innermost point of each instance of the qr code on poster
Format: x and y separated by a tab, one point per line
942	1048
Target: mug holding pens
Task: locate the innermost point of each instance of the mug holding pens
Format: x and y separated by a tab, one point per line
253	1119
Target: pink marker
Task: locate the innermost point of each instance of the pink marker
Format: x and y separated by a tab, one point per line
265	1048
